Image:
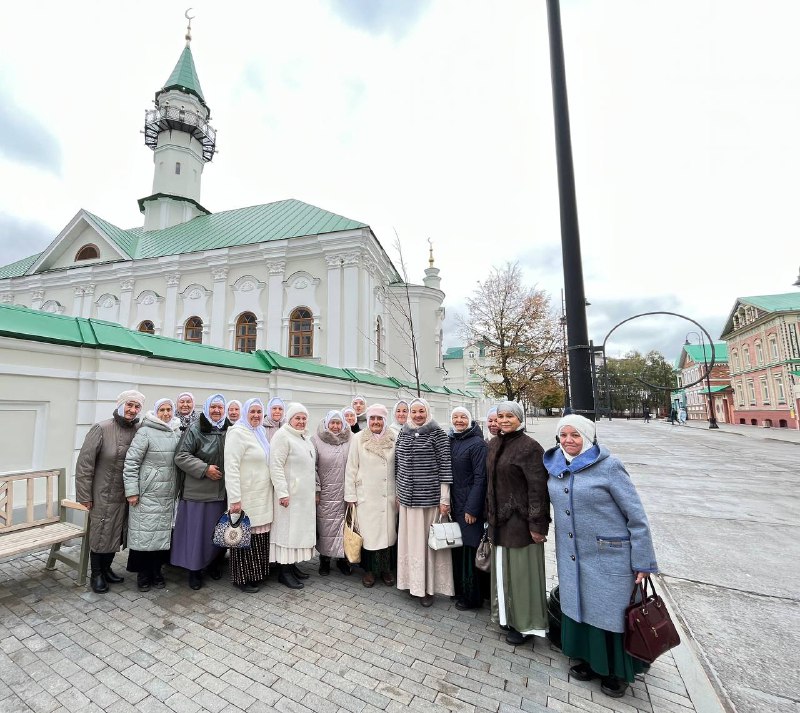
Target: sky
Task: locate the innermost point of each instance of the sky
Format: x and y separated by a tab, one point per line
432	119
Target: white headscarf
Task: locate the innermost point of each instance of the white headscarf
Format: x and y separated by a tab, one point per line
158	404
215	398
582	425
460	409
258	430
130	395
333	415
410	424
394	413
274	401
239	404
378	410
292	411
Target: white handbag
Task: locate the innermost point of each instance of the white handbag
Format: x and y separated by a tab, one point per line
444	535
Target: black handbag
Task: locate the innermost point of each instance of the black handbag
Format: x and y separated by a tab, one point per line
554	616
649	631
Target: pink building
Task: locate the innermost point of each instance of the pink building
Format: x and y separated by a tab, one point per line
763	337
692	366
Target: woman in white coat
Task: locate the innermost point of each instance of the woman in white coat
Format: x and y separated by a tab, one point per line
250	490
292	466
369	483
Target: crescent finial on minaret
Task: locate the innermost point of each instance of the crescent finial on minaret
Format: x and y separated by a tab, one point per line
430	253
189	26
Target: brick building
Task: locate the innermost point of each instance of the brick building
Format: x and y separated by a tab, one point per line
692	366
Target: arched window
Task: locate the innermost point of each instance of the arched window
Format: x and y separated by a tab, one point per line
301	333
193	330
245	333
87	252
147	327
378	339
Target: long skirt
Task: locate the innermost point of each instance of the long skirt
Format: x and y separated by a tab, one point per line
420	569
518	593
192	544
146	561
251	564
289	555
603	650
471	585
377	561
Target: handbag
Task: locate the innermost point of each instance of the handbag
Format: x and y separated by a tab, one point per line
232	534
649	631
483	555
352	537
444	535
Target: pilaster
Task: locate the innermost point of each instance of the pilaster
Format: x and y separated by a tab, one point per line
125	301
218	307
333	321
171	304
349	314
275	305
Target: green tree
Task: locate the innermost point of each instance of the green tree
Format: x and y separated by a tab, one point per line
624	382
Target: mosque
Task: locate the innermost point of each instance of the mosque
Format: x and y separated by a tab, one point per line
287	276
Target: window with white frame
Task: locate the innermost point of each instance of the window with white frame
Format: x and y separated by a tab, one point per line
773	348
735	357
751	392
780	392
764	390
746	356
759	353
740	394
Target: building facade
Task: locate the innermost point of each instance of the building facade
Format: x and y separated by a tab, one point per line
284	276
692	366
763	338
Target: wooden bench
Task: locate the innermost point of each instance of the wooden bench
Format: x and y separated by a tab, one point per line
52	529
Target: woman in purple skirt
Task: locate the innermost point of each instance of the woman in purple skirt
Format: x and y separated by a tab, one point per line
200	456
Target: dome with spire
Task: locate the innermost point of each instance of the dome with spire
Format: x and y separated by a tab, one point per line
184	78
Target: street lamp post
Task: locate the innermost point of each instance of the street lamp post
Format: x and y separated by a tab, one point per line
712	419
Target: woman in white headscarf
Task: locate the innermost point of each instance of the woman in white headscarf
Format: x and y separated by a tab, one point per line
423	478
351	419
370	485
359	405
234	410
518	513
201	457
184	410
332	443
250	490
274	416
292	465
400	416
150	486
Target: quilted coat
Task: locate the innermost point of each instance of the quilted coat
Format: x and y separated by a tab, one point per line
98	477
332	453
149	472
468	492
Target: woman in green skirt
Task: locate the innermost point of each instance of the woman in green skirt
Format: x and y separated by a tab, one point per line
603	546
518	513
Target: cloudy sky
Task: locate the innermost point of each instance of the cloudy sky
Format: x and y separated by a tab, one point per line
433	118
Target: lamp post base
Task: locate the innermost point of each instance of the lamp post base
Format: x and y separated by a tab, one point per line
712	423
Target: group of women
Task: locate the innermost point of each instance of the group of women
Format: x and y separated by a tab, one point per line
162	485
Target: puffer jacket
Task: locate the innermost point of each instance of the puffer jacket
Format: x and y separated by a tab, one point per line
332	453
98	478
202	445
149	472
468	492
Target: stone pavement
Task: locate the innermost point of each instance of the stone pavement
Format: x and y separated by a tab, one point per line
334	646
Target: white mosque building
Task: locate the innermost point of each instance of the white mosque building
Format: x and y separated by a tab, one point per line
285	276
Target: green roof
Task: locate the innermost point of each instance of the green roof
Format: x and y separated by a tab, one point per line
454	353
242	226
795	373
698	353
774	303
715	389
184	76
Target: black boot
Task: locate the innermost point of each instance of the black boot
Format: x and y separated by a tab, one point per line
195	579
344	566
157	577
98	581
297	572
287	578
109	575
143	581
324	565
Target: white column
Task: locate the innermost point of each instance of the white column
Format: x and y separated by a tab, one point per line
88	297
125	300
218	307
171	305
275	306
349	312
333	335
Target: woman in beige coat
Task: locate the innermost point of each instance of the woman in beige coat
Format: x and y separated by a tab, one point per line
250	489
369	483
292	467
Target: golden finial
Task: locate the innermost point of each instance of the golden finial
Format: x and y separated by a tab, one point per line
430	253
189	26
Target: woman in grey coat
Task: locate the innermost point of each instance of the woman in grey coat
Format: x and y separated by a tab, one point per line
603	546
332	442
149	478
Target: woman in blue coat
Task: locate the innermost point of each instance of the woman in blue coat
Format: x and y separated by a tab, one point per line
603	546
467	497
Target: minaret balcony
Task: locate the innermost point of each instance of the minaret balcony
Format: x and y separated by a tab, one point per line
172	118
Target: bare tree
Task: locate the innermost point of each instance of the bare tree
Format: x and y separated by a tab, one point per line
520	333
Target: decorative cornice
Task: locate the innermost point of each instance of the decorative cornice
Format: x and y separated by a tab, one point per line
173	279
38	295
89	289
351	258
276	268
78	291
219	274
126	285
334	260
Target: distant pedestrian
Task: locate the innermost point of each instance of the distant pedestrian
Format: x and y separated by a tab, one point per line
682	416
628	414
646	415
673	415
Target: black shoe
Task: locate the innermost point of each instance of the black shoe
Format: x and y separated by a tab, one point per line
297	572
99	584
582	672
158	580
143	582
287	579
195	579
112	578
344	567
463	605
214	571
514	638
324	566
249	587
427	600
613	686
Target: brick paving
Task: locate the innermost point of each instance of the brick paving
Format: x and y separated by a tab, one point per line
334	646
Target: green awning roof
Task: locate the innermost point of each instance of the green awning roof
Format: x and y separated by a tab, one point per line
795	373
715	389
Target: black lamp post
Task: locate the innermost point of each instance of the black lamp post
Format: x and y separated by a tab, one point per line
712	419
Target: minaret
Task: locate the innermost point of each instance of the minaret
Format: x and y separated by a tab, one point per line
432	278
182	141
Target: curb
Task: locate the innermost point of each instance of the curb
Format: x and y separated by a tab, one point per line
702	684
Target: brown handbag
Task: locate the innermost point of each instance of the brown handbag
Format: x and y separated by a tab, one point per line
483	555
649	631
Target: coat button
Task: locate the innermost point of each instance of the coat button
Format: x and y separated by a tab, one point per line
567	511
572	557
566	490
571	535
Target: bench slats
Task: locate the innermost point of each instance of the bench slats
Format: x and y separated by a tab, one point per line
17	542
